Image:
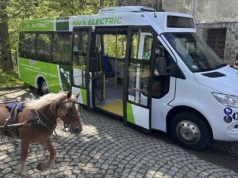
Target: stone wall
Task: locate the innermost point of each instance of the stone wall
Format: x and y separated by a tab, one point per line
231	46
206	11
210	14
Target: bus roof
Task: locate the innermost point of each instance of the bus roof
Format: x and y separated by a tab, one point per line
126	9
116	16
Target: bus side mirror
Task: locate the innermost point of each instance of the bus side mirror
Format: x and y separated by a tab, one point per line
161	66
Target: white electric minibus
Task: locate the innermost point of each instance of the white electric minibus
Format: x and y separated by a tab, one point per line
148	68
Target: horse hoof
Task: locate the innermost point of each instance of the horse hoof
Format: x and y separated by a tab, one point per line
25	175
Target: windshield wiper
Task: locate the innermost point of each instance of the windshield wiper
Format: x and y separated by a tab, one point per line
220	66
208	69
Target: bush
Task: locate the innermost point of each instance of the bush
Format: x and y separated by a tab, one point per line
10	78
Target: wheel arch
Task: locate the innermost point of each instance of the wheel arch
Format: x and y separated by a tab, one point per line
182	109
39	80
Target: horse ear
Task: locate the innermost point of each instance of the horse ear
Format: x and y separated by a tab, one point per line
77	95
69	94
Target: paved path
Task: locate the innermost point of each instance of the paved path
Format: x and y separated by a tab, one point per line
107	149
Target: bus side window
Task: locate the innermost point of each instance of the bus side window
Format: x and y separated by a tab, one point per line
114	51
44	47
140	62
27	45
79	57
160	83
62	48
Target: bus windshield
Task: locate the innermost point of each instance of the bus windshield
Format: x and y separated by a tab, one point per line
194	52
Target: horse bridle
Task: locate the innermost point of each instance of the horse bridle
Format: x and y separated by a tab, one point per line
66	109
45	121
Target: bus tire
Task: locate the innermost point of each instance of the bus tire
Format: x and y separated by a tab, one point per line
190	131
44	87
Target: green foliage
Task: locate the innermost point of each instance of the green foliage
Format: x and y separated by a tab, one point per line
115	45
9	79
12	12
18	10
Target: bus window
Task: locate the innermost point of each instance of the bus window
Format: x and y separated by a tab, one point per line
197	56
44	46
160	83
27	45
114	51
62	48
148	41
80	48
139	68
115	45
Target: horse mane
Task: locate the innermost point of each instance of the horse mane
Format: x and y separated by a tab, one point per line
50	100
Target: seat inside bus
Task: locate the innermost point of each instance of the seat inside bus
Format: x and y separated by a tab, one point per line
107	67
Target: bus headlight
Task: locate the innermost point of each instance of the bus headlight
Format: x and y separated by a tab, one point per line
226	100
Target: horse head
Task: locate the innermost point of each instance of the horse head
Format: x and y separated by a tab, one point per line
70	113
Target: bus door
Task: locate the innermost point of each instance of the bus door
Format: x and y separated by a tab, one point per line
140	60
80	61
109	53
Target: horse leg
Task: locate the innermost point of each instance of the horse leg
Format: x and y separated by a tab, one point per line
47	164
24	152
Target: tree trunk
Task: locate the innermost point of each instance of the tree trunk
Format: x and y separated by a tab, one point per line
119	2
5	49
158	5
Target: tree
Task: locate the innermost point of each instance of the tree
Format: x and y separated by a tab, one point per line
5	48
11	12
156	4
14	11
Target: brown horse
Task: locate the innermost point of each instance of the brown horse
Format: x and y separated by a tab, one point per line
36	122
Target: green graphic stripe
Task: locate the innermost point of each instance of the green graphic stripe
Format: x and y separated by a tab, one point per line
62	24
84	96
130	115
38	25
64	73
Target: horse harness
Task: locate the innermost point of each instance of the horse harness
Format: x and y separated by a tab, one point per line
11	120
39	120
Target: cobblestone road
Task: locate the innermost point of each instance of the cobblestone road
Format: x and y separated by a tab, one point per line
106	148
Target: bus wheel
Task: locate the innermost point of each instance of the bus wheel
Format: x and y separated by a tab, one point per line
190	131
44	87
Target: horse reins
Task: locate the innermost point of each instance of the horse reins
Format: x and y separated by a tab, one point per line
46	122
